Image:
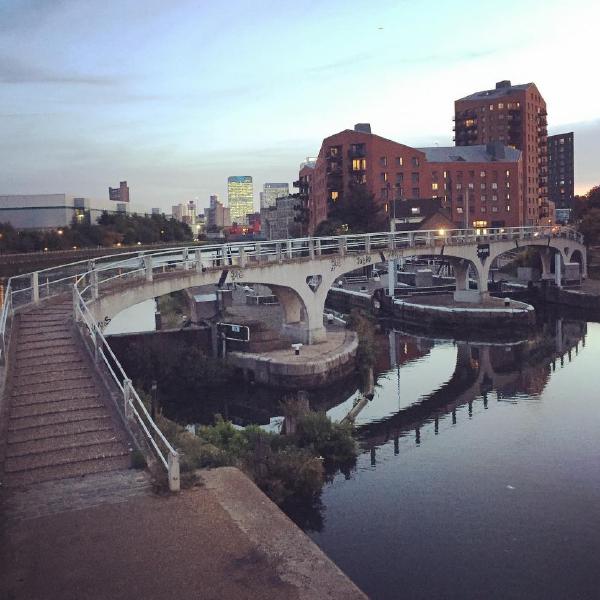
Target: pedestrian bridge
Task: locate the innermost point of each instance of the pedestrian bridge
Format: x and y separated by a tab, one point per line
300	273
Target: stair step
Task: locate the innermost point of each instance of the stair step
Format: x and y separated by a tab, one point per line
63	350
52	408
45	357
65	456
54	345
30	328
48	376
42	432
74	384
57	418
56	396
44	336
77	440
56	367
64	471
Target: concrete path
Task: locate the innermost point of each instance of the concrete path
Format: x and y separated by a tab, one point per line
222	540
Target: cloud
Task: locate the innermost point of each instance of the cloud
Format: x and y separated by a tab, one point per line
16	72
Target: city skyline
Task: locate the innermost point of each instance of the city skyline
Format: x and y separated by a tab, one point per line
186	98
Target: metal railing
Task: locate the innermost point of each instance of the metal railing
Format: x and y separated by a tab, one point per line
86	279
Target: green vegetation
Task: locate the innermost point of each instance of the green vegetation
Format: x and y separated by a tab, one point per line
173	309
112	229
356	211
364	324
286	467
587	216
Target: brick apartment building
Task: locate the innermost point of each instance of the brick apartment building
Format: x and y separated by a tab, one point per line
514	115
479	185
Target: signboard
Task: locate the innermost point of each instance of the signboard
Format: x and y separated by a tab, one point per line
239	333
483	251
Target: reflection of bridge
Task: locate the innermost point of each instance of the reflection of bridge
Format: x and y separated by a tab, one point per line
480	370
299	271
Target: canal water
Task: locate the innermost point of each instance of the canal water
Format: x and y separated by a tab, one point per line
479	470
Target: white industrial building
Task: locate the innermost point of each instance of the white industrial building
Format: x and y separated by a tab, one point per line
49	211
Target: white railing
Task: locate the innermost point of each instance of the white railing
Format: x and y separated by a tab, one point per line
85	279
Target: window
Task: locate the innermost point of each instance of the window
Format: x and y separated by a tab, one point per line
483	186
483	198
483	209
491	107
399	177
399	161
481	173
415	192
471	174
507	173
383	161
494	209
414	177
459	210
508	184
494	186
383	177
359	164
415	210
508	208
445	174
500	105
471	186
459	186
334	196
434	185
415	161
494	198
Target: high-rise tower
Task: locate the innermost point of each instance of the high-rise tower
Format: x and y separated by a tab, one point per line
240	195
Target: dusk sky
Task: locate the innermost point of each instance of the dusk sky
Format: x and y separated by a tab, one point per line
176	96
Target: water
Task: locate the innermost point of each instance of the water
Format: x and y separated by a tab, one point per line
503	501
479	471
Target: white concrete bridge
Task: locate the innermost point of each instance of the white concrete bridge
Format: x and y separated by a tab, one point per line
299	271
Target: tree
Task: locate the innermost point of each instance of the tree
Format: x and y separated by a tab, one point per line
356	211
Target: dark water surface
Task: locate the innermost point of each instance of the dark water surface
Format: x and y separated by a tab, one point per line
504	500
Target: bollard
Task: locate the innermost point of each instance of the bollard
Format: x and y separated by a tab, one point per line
296	348
506	302
173	468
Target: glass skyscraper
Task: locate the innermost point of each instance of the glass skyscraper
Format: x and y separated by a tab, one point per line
272	191
240	195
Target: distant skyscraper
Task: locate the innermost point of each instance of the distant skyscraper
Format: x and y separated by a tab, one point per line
120	194
240	195
272	191
561	187
217	215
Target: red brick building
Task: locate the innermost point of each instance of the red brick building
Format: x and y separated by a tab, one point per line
513	115
478	186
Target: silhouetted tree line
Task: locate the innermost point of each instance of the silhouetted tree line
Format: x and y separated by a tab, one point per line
586	214
111	229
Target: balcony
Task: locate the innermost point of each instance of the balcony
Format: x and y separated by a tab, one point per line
358	151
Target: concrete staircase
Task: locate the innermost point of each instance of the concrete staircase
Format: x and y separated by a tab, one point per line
61	423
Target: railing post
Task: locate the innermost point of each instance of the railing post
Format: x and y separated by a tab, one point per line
311	249
127	397
391	242
242	257
198	257
173	469
342	245
290	249
318	247
75	303
367	244
278	251
148	264
94	282
35	286
185	258
96	347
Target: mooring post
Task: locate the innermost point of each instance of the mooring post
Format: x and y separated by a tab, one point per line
173	469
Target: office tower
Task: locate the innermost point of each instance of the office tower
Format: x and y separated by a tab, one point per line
272	191
561	177
120	194
240	197
514	115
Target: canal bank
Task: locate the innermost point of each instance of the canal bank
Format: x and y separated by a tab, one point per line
221	539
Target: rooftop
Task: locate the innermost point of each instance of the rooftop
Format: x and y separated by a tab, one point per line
480	154
503	88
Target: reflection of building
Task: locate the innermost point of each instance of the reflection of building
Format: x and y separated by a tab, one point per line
120	194
514	115
272	191
48	211
280	222
561	170
217	215
240	195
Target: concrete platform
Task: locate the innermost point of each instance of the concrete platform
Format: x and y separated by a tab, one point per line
224	539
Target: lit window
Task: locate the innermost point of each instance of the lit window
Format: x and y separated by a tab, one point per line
491	107
494	209
508	173
494	198
508	208
483	209
415	161
334	196
459	186
434	185
483	186
494	186
459	210
415	210
500	105
471	186
399	161
481	173
384	177
445	174
483	198
359	164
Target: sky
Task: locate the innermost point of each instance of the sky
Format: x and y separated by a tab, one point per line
176	96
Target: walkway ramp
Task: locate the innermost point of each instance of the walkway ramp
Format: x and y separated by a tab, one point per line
60	419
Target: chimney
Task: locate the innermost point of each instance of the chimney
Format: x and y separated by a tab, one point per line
363	127
503	84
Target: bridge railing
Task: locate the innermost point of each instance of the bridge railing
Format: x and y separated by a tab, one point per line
132	406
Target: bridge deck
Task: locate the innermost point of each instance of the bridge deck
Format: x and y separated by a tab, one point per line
60	423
